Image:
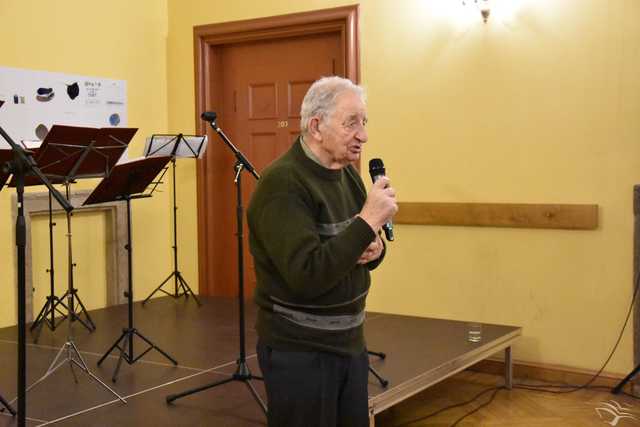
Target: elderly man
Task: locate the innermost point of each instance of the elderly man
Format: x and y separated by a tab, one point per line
314	236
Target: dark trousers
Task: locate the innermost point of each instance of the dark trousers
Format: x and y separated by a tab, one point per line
312	388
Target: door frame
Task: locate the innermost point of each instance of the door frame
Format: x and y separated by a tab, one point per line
208	39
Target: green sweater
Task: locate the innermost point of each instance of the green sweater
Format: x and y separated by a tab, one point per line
305	239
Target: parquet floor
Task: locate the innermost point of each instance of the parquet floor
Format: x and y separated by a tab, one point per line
516	407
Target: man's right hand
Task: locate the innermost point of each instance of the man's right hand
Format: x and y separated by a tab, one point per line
380	205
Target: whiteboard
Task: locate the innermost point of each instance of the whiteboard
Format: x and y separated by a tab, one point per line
36	100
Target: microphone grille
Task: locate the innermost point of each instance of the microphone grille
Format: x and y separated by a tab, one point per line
209	116
376	164
376	168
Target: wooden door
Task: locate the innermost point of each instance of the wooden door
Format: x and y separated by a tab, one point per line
262	85
254	74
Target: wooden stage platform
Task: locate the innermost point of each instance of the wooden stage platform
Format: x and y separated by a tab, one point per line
204	340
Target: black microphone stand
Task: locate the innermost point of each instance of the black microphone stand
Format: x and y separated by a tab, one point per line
242	372
22	164
127	182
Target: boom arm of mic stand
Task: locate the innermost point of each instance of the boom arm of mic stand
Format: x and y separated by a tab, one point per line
241	158
27	160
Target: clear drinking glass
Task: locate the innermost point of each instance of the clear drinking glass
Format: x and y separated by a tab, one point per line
474	331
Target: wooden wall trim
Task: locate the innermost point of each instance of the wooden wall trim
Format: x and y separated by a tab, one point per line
554	216
262	27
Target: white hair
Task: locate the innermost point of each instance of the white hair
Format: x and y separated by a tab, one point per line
320	100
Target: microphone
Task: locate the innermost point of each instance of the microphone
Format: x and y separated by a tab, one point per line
376	170
209	116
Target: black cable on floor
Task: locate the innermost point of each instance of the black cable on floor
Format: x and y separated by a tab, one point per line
487	403
446	408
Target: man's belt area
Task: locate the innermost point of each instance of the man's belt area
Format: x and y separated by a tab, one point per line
315	321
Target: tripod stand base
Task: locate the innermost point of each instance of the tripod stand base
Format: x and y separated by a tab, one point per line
181	288
7	406
242	374
73	315
125	344
383	382
74	358
47	314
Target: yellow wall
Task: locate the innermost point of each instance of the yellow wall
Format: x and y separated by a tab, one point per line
89	229
118	39
540	105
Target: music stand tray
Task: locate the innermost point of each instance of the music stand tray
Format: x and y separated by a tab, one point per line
175	146
128	181
68	153
180	145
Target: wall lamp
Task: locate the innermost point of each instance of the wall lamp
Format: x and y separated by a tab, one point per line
483	6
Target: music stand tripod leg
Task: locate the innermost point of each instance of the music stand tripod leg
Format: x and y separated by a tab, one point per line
152	346
72	292
80	363
242	374
170	398
186	290
73	357
123	355
42	316
76	315
70	354
7	406
253	391
383	382
159	288
50	309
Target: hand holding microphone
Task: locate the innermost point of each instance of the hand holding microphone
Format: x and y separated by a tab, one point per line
380	205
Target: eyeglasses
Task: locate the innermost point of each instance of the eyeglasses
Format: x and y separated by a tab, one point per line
353	125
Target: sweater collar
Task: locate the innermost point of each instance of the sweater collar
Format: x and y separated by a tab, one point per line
317	168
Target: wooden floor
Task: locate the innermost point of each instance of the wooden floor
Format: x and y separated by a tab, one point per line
517	407
205	342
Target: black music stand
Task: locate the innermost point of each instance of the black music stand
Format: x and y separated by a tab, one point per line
47	314
128	181
22	164
66	154
242	373
180	145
